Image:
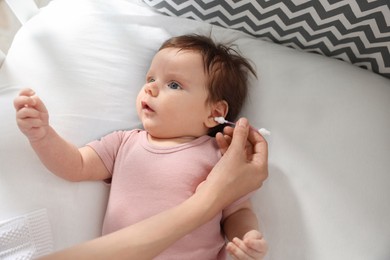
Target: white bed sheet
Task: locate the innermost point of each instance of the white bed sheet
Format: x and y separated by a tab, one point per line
327	193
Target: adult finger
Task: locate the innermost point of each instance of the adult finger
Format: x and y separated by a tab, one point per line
222	142
240	134
260	146
228	130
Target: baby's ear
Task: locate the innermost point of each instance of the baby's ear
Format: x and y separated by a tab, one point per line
217	109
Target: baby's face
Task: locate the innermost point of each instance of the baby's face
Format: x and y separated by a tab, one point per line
172	103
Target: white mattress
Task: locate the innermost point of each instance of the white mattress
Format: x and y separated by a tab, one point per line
327	196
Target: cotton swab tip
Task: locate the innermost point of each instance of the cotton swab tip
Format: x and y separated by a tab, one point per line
264	131
220	120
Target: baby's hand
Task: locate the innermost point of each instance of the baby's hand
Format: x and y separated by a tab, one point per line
252	246
31	115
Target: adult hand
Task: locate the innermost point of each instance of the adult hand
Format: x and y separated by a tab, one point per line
244	165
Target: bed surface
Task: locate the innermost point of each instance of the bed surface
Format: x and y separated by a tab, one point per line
327	196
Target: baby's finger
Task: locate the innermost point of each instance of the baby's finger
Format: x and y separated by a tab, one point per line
258	245
27	112
39	105
239	249
27	92
23	101
29	123
234	251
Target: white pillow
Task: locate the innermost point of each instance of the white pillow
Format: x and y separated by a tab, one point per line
326	197
87	64
352	31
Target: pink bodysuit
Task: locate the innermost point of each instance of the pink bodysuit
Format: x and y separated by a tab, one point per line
148	179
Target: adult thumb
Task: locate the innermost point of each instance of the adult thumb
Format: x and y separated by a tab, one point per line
240	134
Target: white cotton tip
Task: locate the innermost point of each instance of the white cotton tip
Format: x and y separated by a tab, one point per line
220	119
264	131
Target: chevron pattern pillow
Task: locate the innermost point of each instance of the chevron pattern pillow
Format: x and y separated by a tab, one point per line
355	31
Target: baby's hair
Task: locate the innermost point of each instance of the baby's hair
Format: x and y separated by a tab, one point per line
226	69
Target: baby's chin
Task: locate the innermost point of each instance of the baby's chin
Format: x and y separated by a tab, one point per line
158	133
172	135
169	141
172	131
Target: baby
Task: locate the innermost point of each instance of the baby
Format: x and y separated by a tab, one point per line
191	81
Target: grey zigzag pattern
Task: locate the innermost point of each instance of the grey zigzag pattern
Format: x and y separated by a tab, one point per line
356	31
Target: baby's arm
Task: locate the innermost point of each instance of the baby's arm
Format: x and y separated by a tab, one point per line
59	156
241	229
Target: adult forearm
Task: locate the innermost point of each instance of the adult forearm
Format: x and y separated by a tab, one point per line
150	237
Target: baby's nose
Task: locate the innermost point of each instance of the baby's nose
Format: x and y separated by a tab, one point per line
151	88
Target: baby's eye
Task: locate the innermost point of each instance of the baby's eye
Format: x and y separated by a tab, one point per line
151	80
174	85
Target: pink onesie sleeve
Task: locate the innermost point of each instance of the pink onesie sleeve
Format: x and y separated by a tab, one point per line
107	148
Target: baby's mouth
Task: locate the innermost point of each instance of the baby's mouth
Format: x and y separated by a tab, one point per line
146	106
